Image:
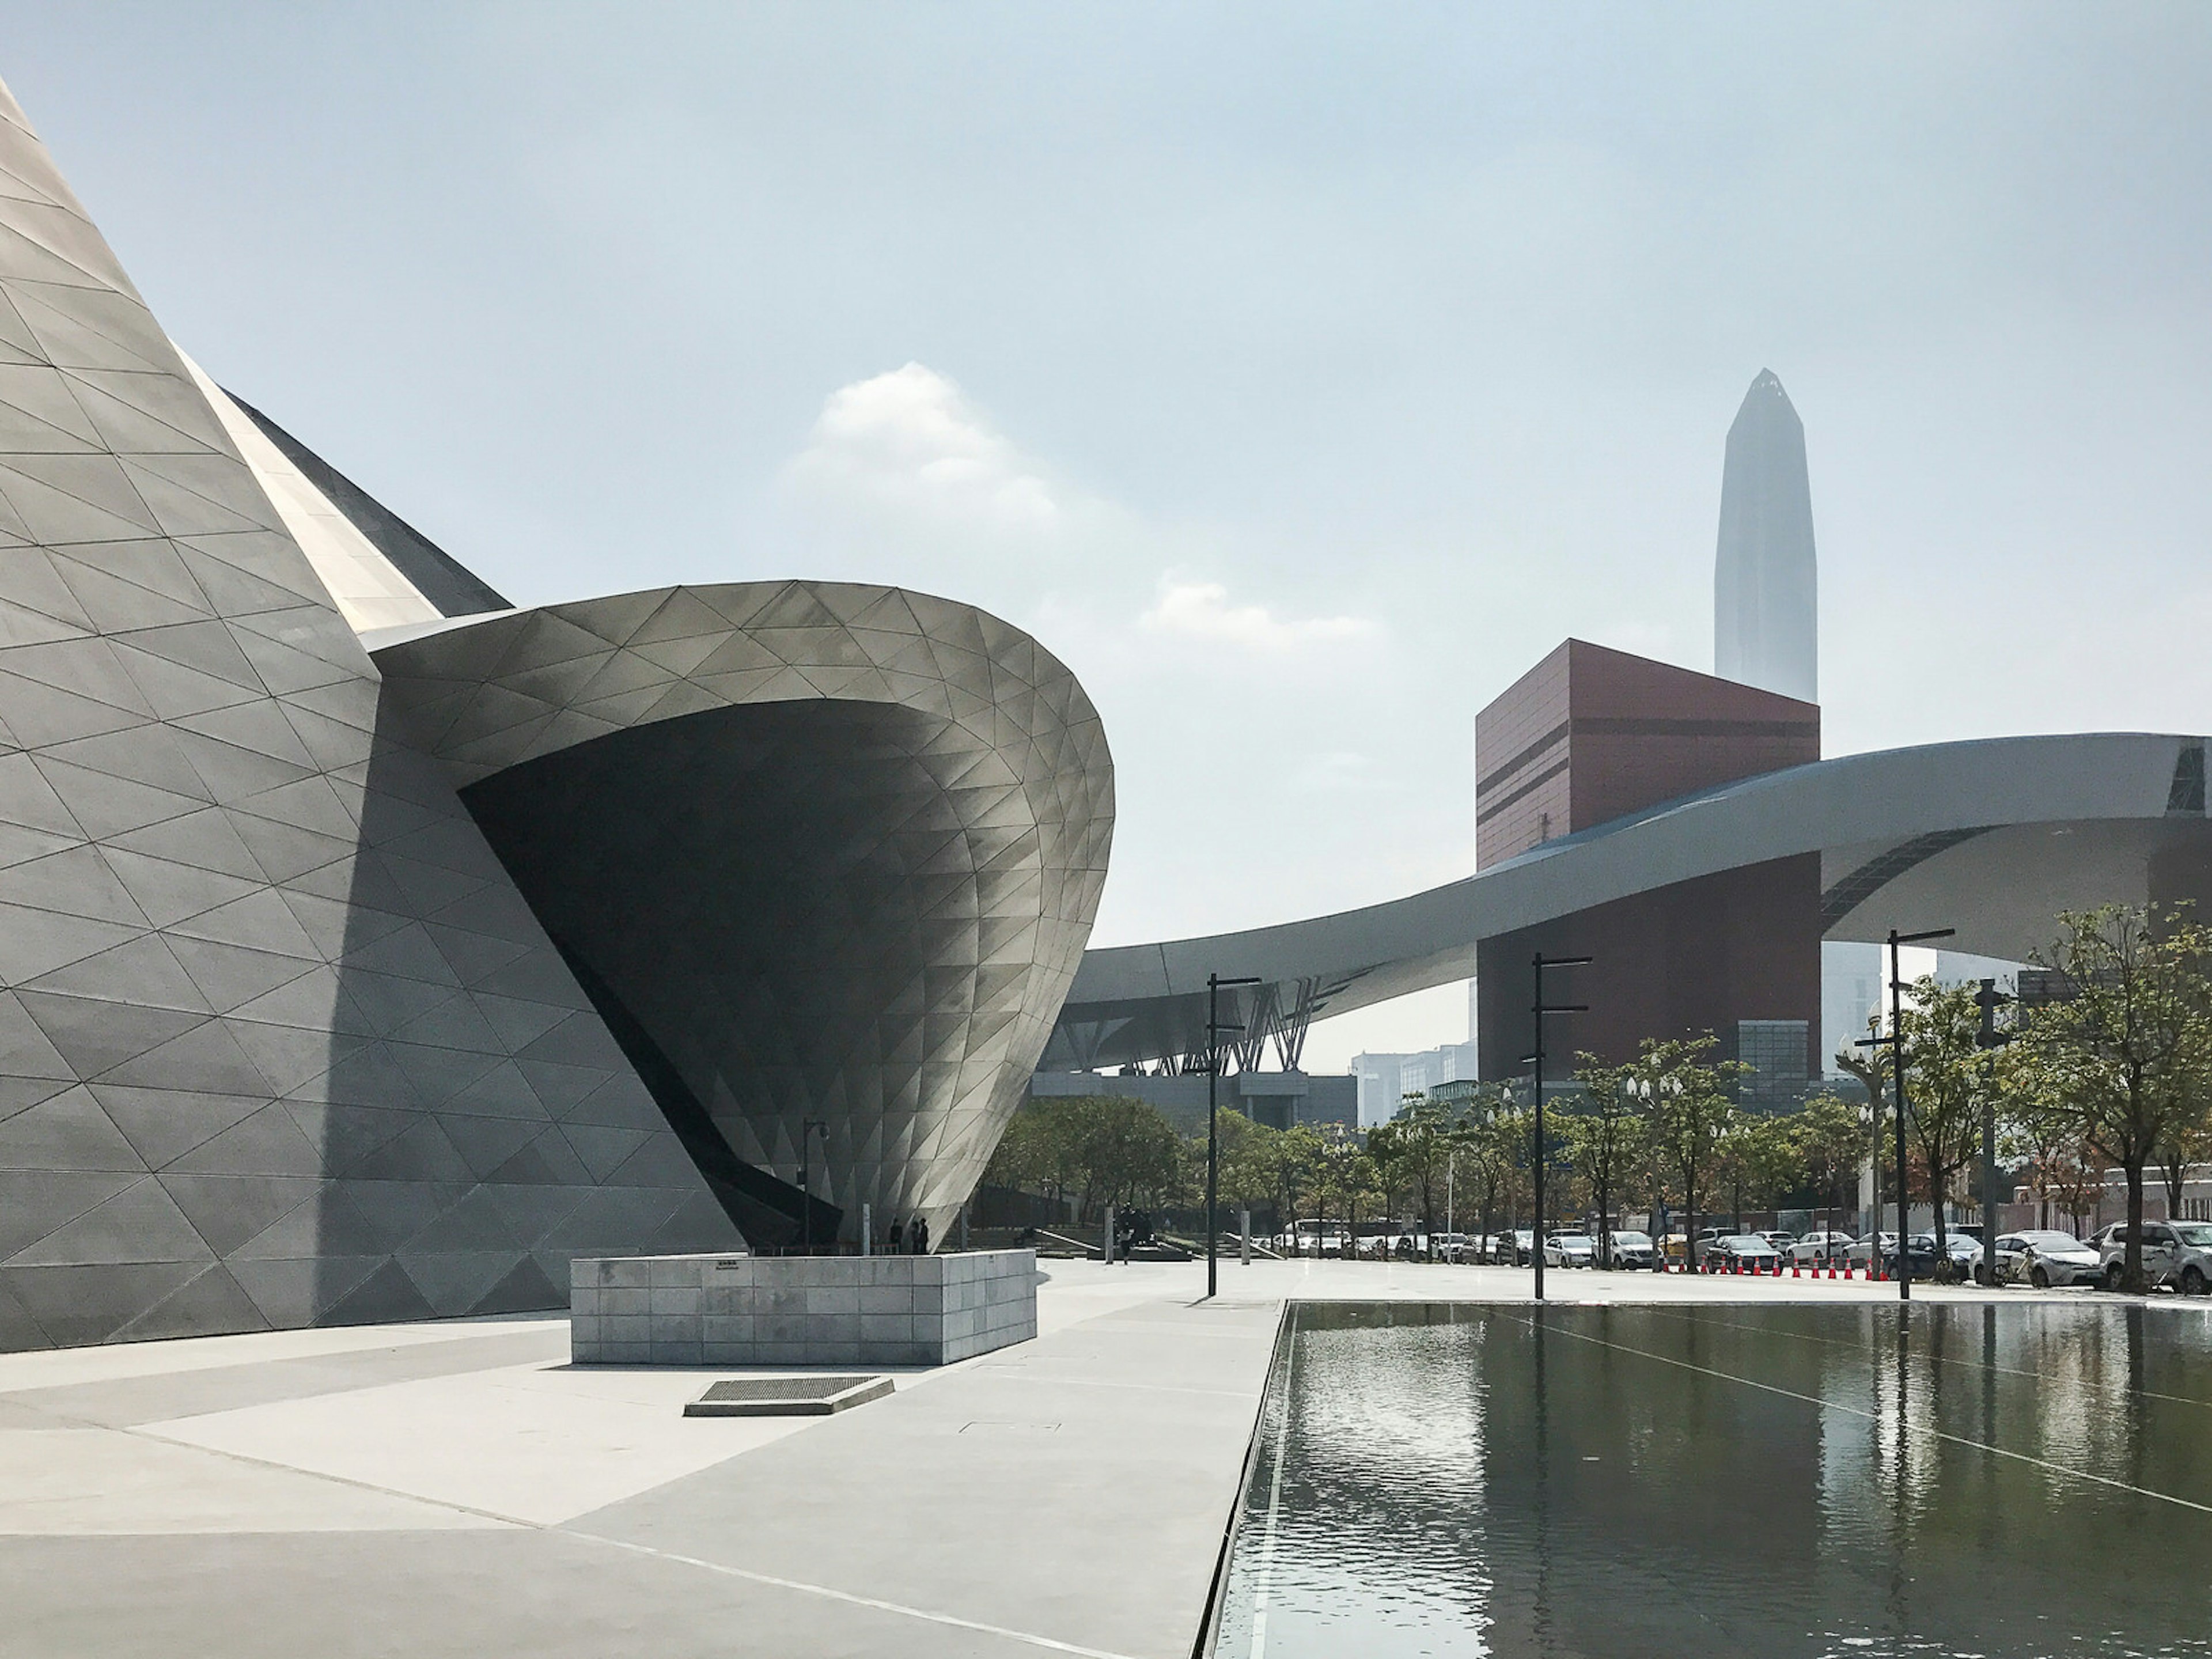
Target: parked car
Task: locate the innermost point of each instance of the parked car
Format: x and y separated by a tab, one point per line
1868	1251
1780	1239
2046	1259
1707	1237
1964	1250
1513	1249
1819	1247
1921	1247
1744	1253
1569	1250
1314	1237
1633	1250
1452	1247
1965	1253
2176	1253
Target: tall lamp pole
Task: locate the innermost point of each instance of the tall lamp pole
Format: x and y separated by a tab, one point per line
1537	1010
808	1128
1990	1000
1214	1027
1895	1041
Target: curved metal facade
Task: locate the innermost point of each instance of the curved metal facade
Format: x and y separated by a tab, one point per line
1992	836
285	1039
819	853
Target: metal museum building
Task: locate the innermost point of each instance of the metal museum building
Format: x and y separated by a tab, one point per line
369	946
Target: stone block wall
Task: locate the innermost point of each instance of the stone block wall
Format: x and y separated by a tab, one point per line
799	1311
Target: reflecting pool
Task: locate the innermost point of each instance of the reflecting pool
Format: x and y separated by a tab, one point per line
1731	1482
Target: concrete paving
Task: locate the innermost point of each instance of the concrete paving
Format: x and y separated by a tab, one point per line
457	1488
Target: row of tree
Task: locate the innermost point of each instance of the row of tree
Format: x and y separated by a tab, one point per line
2111	1067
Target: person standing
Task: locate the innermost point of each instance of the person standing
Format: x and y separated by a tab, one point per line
898	1239
921	1235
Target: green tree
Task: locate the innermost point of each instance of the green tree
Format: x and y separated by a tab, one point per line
1757	1156
1298	1153
2039	1129
1412	1153
1495	1154
2188	1141
1950	1080
1347	1182
1690	1113
1126	1152
1042	1148
1607	1133
1830	1142
2126	1044
1246	1161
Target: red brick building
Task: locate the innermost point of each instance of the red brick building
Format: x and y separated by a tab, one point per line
1587	735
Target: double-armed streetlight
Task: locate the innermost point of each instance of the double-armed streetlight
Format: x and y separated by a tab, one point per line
1537	1010
1215	1026
1895	1042
1989	999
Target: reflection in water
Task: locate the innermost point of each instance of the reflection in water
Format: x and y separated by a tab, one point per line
1647	1482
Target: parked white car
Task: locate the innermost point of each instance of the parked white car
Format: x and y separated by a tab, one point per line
1743	1253
2046	1259
1821	1247
1633	1250
2176	1253
1569	1250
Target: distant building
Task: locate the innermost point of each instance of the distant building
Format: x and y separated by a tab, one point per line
1589	736
1850	994
1281	1100
1765	586
1385	1080
1774	1051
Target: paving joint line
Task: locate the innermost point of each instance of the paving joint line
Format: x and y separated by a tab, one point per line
565	1530
954	1620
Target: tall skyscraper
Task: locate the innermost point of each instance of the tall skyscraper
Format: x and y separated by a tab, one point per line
1765	587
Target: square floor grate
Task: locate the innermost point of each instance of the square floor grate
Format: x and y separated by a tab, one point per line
786	1396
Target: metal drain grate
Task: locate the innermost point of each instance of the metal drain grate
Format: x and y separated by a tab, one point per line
786	1396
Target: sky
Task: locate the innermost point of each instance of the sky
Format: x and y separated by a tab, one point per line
1299	374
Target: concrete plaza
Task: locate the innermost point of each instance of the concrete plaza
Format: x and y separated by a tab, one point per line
458	1488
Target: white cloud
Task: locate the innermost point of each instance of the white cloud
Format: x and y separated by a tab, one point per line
1202	611
910	441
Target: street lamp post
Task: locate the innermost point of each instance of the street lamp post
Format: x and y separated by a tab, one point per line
1214	1028
808	1128
1990	1000
1896	1042
1538	1009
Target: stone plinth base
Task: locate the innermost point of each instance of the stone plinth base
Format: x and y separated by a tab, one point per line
799	1310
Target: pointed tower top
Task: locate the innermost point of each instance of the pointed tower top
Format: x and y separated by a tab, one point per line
1764	604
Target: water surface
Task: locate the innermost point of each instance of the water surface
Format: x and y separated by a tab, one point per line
1737	1482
